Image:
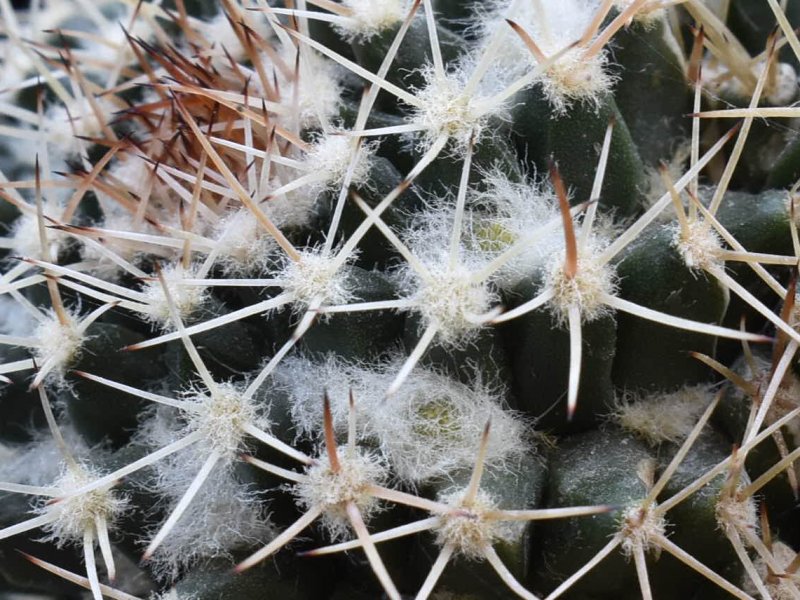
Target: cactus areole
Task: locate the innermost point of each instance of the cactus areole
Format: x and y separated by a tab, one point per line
432	299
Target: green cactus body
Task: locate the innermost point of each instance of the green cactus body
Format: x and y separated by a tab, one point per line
434	299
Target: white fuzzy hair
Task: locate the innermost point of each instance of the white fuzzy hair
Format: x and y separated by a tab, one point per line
663	417
449	297
555	27
430	427
371	17
508	211
226	514
318	87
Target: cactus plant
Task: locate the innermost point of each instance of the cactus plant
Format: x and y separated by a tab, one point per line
392	298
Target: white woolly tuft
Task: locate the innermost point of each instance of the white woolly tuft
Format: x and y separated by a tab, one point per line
185	298
332	490
648	14
75	514
315	276
700	246
117	218
244	247
135	173
371	17
638	527
63	124
446	110
7	454
330	155
780	90
40	462
318	88
25	232
585	290
737	514
16	65
574	77
467	528
660	417
223	517
427	429
15	68
295	209
452	300
15	320
783	90
221	415
511	210
59	345
449	297
779	588
118	15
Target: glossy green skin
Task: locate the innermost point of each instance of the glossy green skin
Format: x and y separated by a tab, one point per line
530	356
539	351
652	273
596	467
573	141
97	414
651	93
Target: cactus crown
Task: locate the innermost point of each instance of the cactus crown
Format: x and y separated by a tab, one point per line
236	233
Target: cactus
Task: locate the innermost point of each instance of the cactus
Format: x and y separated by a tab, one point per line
393	298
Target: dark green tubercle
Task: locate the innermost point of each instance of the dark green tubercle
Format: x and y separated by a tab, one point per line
760	223
483	356
414	51
573	140
220	582
374	251
653	274
491	152
786	168
455	13
358	335
596	467
227	350
391	147
696	513
20	406
732	417
540	355
652	92
101	354
752	22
